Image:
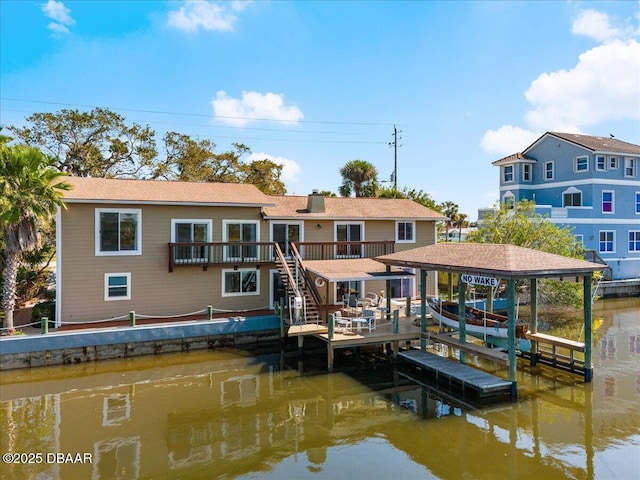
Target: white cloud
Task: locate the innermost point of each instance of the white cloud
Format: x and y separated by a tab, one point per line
602	86
212	16
507	140
253	105
61	14
290	169
599	26
57	28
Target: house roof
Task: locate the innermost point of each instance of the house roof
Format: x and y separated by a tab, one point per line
514	158
111	190
593	143
351	208
499	260
353	269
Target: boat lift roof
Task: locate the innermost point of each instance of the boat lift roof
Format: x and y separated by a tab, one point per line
500	260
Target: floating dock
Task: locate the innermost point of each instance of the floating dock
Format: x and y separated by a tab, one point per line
457	377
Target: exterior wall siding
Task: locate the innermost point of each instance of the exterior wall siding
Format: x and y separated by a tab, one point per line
155	291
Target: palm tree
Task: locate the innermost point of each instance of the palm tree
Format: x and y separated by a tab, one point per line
30	191
460	220
359	176
449	210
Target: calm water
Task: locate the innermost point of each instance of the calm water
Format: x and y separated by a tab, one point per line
213	414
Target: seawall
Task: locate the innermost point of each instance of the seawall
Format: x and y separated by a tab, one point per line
66	347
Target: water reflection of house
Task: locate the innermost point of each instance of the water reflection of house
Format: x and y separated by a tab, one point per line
244	415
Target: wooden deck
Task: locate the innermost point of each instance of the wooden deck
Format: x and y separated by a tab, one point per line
306	329
458	376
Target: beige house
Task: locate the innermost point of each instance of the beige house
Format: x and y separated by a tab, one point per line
172	248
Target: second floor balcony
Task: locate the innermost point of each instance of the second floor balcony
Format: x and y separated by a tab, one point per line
209	254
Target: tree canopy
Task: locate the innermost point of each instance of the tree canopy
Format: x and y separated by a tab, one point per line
520	225
97	143
100	143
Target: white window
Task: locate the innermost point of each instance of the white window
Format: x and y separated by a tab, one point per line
634	240
350	237
509	199
526	172
607	241
405	232
283	233
579	239
548	170
190	231
601	163
581	164
629	167
241	282
241	231
608	198
402	287
613	163
572	197
117	286
637	202
118	231
507	173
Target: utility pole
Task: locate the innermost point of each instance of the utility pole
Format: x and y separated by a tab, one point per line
395	146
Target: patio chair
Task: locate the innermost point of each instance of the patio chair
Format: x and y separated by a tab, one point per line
340	323
370	317
372	299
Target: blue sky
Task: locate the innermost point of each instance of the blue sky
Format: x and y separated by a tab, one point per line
315	84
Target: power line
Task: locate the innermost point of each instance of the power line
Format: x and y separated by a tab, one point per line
158	122
160	112
243	138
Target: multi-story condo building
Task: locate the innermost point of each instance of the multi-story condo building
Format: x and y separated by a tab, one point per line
588	183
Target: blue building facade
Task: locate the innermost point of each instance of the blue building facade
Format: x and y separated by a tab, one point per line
588	183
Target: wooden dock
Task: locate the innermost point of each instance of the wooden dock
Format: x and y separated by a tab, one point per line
456	376
545	351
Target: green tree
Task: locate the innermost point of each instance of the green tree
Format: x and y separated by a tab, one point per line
31	189
328	193
460	220
264	174
96	143
449	209
417	196
359	177
191	160
520	225
194	160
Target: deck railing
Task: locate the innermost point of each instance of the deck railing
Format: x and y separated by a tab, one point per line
338	250
209	254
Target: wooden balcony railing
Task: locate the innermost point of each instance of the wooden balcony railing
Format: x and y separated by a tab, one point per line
209	254
337	250
206	254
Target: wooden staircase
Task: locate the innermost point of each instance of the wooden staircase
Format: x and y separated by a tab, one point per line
295	280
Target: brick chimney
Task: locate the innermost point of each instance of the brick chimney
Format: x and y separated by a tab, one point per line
315	202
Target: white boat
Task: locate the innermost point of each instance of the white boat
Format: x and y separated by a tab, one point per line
478	322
